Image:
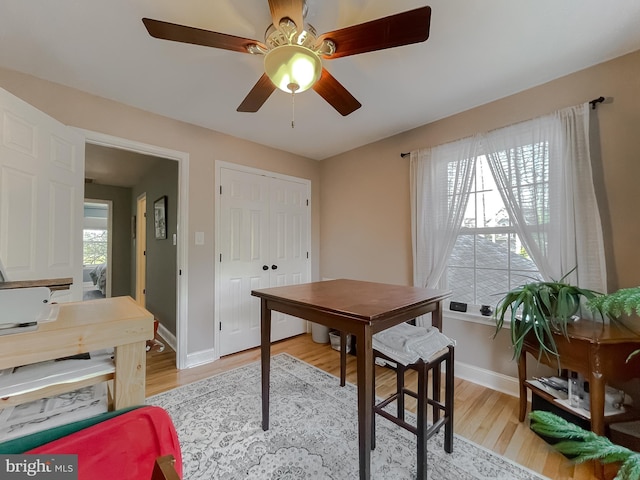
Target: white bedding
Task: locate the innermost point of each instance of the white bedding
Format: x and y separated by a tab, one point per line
99	277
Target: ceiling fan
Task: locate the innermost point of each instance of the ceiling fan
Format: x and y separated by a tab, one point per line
292	50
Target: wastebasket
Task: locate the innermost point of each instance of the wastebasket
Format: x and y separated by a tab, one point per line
319	333
334	336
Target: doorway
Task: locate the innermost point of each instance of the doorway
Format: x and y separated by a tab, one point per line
179	343
96	249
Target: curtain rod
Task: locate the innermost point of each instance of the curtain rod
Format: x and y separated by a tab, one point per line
595	101
593	104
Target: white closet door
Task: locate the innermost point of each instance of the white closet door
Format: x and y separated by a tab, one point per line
41	195
289	247
263	242
244	237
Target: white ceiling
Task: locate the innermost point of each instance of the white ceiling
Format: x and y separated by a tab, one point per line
478	51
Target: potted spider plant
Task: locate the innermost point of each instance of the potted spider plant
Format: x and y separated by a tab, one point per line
542	308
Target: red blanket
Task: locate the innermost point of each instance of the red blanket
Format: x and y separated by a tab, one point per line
124	447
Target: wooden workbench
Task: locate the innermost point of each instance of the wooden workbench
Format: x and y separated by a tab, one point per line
83	327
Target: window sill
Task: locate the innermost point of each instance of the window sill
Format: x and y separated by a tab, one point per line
470	316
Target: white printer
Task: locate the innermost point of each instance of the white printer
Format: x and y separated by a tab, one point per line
21	309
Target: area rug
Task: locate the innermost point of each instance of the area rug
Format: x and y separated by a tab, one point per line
313	432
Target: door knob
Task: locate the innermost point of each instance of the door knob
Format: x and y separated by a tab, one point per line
265	267
274	267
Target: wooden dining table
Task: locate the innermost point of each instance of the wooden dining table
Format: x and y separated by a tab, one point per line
350	306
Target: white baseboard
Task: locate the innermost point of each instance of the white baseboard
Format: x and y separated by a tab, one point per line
168	337
200	358
481	376
488	378
194	359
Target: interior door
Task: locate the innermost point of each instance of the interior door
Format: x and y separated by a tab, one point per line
289	248
41	196
244	257
263	242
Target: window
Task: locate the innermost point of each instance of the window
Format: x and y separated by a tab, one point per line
496	209
95	233
95	244
488	257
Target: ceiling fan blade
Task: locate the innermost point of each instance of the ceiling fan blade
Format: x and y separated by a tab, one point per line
258	95
387	32
287	9
335	94
197	36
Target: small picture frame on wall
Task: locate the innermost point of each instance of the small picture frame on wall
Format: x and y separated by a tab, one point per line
160	217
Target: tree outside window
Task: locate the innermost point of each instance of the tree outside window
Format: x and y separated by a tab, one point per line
94	246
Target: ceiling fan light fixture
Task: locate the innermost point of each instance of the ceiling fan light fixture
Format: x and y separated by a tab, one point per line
292	68
293	51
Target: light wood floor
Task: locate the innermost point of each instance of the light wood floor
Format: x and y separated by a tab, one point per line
486	417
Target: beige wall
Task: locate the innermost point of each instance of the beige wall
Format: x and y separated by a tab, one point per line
160	254
365	213
78	109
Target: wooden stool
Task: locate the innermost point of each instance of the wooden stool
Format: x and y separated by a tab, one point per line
421	430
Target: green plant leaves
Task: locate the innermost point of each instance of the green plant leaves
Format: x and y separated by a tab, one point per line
614	305
583	445
540	308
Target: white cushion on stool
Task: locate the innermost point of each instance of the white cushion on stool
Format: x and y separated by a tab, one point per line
407	344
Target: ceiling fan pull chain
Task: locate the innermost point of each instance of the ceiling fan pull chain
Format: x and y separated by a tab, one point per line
293	89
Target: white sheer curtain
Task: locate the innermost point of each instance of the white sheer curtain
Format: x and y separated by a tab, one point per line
583	211
542	168
441	179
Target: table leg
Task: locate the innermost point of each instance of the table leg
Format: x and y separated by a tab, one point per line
129	377
436	321
436	316
265	351
343	358
522	376
596	392
365	399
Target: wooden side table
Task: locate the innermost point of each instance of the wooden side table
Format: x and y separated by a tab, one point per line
597	351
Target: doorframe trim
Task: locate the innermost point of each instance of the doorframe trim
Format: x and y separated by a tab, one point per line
140	226
105	140
220	164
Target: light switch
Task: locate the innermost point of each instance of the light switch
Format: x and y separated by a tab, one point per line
175	239
199	238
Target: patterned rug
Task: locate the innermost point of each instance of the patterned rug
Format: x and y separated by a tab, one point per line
313	432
